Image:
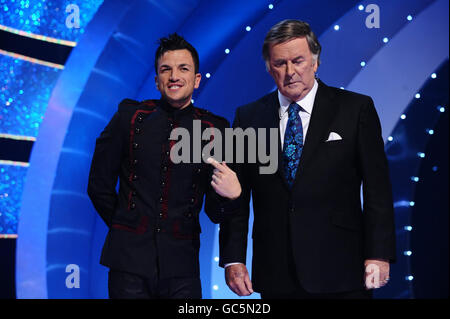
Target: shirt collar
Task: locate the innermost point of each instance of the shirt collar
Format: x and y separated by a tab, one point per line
306	103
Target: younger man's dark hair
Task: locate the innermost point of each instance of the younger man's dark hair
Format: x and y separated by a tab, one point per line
175	42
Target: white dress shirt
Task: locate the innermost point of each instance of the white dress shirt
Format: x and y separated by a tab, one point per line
306	105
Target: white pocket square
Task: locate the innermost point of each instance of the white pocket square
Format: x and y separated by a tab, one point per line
334	137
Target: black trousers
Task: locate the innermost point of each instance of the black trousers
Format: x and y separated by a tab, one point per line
298	292
123	285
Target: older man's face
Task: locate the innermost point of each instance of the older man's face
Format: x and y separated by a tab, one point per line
292	66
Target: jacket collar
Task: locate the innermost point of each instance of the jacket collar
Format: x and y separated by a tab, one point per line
172	111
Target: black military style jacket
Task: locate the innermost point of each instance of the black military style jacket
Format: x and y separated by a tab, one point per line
154	218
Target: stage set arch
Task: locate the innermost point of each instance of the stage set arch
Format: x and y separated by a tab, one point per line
58	225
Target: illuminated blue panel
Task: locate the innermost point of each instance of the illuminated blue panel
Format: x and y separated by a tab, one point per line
345	49
46	17
24	94
11	185
409	139
398	58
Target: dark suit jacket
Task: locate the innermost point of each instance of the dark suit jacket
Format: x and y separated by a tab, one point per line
318	231
154	218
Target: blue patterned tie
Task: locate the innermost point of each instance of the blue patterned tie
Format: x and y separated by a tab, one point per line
293	143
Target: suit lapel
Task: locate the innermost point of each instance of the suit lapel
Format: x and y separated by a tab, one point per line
322	114
271	119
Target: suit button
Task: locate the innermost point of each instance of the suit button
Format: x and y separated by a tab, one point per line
140	119
192	200
199	170
133	205
160	199
137	130
135	177
160	215
135	161
133	193
194	186
163	183
135	145
158	230
165	168
292	210
167	153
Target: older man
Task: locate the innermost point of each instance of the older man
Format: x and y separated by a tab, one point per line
311	237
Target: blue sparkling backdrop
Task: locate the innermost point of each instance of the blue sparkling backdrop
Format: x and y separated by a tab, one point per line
25	87
24	94
11	186
46	17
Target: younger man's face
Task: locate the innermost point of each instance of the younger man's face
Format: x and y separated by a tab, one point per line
176	78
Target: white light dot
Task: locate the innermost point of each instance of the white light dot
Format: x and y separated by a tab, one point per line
216	258
208	75
411	203
385	40
215	287
390	138
407	253
441	109
417	96
227	51
248	28
407	228
409	17
414	179
421	154
403	116
270	6
336	27
429	131
409	278
433	75
341	87
435	168
363	63
361	7
192	101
